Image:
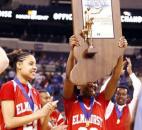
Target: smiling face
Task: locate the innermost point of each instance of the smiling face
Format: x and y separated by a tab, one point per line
27	67
121	96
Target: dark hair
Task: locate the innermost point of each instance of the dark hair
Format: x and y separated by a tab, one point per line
17	56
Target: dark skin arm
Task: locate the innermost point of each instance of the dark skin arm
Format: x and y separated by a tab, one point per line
112	84
68	85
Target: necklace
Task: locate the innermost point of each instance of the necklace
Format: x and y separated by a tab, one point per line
118	113
86	113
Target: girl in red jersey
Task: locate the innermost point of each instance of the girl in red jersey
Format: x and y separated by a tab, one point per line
86	112
20	102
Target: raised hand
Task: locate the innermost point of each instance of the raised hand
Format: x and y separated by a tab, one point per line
48	108
73	41
129	66
122	42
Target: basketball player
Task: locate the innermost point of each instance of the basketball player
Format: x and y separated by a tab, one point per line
56	120
86	112
121	112
20	102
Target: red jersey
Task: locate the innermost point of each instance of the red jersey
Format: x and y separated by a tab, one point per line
56	118
76	119
11	91
112	121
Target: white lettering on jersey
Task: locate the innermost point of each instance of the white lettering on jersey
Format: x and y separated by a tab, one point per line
23	107
80	118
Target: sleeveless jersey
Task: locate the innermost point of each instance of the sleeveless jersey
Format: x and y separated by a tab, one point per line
11	91
112	122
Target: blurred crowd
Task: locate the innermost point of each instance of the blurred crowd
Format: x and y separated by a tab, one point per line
51	73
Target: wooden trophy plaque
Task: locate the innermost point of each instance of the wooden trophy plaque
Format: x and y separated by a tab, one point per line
99	23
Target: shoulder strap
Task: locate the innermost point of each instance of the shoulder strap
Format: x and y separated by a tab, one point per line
109	110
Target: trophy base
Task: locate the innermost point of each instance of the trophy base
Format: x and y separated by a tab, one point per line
90	52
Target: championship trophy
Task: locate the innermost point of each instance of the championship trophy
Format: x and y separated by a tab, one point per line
98	25
86	33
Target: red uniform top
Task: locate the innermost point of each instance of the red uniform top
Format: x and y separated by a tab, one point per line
112	121
76	119
11	91
56	118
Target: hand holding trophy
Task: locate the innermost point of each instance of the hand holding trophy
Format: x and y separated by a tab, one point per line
100	26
